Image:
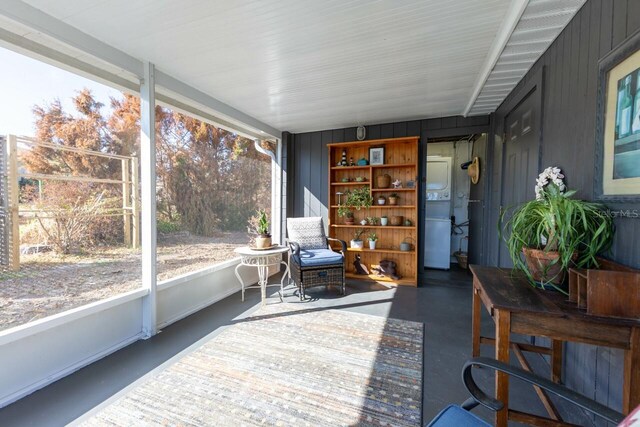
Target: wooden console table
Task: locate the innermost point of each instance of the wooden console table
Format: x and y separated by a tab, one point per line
516	307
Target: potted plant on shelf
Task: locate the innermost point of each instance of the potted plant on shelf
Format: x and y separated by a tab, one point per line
384	220
357	199
555	232
381	200
393	198
260	224
372	240
347	213
356	242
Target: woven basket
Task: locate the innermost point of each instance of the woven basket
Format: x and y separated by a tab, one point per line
383	181
396	220
462	258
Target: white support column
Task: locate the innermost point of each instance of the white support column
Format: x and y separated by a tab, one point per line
276	194
148	199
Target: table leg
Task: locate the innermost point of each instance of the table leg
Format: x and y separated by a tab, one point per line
262	280
475	324
240	280
287	274
556	361
631	390
503	329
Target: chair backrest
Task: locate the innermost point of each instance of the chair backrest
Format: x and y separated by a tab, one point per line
307	232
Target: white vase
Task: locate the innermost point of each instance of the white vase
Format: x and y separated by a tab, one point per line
363	222
357	244
372	244
384	221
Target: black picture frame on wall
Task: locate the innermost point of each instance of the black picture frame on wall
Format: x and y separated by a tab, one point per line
376	156
617	70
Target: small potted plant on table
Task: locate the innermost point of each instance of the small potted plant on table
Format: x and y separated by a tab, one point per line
260	224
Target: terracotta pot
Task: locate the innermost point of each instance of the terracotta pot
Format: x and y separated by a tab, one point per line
396	220
263	242
544	266
393	200
349	220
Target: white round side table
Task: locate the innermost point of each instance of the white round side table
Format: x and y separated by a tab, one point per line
262	259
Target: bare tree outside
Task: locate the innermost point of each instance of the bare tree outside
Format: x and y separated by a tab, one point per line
210	181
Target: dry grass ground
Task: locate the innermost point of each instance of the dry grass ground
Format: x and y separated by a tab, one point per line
48	283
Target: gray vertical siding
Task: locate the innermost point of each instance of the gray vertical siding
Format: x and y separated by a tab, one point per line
568	141
308	185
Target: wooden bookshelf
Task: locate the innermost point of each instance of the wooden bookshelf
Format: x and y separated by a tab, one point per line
400	162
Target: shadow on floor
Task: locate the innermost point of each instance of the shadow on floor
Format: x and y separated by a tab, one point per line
442	303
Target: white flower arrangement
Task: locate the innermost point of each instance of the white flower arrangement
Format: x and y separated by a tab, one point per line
550	174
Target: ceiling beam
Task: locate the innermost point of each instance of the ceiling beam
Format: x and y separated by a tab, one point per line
509	23
177	86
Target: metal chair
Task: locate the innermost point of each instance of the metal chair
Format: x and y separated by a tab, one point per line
458	415
312	262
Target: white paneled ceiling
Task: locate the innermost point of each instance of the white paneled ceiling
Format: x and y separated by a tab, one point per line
302	65
541	22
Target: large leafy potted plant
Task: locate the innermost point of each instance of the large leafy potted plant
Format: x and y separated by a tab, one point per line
555	231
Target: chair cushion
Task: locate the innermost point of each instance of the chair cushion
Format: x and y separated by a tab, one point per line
307	232
455	416
318	257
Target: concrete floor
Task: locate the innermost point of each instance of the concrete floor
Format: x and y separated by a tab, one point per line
442	303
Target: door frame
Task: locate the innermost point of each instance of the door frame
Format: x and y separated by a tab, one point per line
534	83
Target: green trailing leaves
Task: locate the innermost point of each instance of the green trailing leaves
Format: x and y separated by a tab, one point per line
557	222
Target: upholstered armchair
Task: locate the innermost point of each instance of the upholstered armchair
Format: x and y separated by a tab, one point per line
311	260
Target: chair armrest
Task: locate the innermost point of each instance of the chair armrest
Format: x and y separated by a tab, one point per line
294	248
342	242
548	385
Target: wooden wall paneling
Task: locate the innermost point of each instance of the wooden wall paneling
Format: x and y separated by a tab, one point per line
591	33
568	135
350	134
324	189
413	128
633	16
400	130
566	151
581	46
432	124
619	21
302	171
386	130
606	27
313	188
373	132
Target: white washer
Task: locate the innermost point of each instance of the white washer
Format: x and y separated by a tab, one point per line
437	243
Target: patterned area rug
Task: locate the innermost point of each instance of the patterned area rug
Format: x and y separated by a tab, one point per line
285	366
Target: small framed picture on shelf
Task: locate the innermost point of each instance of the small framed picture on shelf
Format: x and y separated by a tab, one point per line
410	184
376	156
